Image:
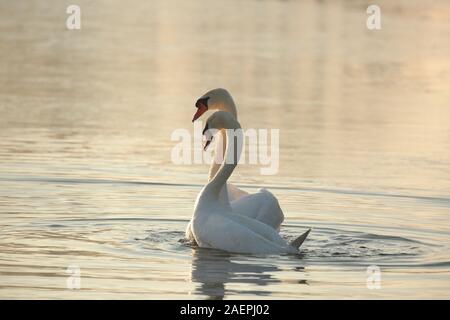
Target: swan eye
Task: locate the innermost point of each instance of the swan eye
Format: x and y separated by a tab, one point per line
202	103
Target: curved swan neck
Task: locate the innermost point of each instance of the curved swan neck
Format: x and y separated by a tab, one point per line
231	158
220	99
230	107
219	152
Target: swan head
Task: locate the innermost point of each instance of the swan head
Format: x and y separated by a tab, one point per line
217	121
216	99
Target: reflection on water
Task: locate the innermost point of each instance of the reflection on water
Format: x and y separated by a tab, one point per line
86	117
214	269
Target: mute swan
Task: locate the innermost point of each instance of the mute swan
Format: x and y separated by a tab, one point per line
262	205
214	225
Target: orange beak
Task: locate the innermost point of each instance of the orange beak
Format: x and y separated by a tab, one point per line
201	109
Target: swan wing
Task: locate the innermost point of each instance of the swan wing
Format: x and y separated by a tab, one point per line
234	193
260	228
262	206
225	233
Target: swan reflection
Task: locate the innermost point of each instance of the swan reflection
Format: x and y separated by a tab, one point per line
212	270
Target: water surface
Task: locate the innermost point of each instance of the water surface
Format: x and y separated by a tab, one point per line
86	177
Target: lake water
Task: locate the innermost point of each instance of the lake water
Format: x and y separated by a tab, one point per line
86	116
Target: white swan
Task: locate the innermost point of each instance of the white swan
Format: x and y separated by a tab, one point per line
262	205
214	225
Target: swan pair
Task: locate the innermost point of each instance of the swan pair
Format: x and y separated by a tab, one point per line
226	217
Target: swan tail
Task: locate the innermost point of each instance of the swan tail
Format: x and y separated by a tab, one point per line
296	243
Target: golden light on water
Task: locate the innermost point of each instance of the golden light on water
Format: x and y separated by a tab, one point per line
87	115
